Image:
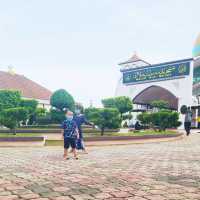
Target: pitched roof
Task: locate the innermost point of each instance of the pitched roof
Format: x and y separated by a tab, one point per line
134	58
27	87
152	93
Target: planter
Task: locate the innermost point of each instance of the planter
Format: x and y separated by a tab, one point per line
88	130
21	141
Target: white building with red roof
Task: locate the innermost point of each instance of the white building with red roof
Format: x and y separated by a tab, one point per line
28	88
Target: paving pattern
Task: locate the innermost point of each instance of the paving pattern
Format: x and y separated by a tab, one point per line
156	171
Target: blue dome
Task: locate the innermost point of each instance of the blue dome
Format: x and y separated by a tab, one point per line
196	49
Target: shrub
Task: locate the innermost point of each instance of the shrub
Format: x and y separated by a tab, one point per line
160	120
57	116
144	118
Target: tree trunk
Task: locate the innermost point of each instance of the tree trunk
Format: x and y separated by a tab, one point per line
102	131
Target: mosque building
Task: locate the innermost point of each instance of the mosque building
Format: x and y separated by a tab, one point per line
176	82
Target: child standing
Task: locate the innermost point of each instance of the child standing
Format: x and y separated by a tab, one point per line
70	134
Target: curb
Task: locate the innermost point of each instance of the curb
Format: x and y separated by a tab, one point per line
120	141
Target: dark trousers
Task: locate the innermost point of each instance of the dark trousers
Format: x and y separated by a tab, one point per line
187	126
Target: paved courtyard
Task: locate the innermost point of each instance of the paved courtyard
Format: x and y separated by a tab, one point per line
156	171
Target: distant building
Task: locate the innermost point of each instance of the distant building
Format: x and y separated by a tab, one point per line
28	88
177	82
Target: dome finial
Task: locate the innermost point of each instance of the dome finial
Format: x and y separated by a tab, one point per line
11	70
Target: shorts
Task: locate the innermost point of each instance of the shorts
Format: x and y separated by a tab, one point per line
69	142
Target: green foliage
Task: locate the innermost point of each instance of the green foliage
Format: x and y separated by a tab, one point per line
144	118
61	99
184	109
161	104
30	105
9	99
160	120
41	112
12	117
44	119
13	109
123	104
57	116
127	116
104	117
109	103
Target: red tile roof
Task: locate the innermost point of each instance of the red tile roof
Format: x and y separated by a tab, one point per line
28	88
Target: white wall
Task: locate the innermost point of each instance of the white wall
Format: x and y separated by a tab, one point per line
181	88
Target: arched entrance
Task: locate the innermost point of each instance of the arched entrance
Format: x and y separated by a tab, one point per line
153	93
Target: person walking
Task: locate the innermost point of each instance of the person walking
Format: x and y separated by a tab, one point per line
188	121
70	134
80	119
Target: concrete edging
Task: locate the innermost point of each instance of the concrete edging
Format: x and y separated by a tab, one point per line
21	141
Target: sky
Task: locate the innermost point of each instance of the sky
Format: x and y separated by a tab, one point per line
77	44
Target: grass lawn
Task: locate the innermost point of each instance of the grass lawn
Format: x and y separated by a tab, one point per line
137	133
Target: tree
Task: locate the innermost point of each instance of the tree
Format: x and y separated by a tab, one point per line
61	99
123	104
104	117
12	117
109	103
160	104
9	99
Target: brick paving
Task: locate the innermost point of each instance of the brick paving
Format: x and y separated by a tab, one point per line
157	171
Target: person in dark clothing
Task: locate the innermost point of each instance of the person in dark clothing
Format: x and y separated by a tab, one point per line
80	119
70	134
188	121
138	126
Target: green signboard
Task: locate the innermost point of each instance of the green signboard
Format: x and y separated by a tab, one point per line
156	73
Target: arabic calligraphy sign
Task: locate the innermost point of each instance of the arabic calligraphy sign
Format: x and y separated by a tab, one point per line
156	73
